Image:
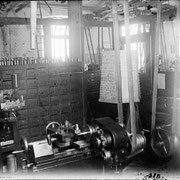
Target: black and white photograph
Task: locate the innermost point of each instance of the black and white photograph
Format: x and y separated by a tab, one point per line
90	89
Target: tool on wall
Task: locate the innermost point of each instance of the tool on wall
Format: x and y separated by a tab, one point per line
90	45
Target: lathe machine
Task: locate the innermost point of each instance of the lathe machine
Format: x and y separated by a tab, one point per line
66	143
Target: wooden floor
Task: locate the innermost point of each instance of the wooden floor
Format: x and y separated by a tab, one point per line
141	167
94	169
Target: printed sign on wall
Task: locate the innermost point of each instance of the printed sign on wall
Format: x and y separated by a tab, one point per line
108	85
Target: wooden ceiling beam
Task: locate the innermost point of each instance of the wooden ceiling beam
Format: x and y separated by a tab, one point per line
26	21
25	4
21	21
12	5
64	6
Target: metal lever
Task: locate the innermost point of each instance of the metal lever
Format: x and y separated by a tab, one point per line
18	152
49	139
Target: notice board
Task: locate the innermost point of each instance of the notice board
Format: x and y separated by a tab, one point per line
107	84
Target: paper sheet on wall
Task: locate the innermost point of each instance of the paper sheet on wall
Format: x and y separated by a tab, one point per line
108	86
161	81
1	96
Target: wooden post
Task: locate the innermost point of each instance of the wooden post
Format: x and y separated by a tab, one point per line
99	53
130	75
109	34
76	42
156	64
152	49
102	37
112	30
33	24
47	41
117	63
175	123
75	29
165	47
83	81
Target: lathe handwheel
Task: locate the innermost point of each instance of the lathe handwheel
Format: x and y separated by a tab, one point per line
24	144
52	125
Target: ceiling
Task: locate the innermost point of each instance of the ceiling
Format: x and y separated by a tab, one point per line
99	9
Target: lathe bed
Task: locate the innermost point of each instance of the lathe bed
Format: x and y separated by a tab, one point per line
62	158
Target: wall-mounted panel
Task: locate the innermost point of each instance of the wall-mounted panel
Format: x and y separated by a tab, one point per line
31	103
43	111
32	93
32	83
31	73
22	114
43	81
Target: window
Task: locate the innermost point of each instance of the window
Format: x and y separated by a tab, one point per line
60	42
40	41
133	29
139	47
107	41
136	29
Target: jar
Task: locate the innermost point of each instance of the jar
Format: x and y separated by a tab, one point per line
11	163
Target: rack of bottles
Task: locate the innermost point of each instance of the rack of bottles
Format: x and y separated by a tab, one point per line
11	61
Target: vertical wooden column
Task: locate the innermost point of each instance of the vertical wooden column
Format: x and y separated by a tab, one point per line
175	123
99	53
117	63
47	41
102	37
156	64
33	23
76	42
130	75
152	50
75	29
113	37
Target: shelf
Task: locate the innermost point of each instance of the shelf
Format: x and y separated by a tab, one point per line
7	148
12	119
163	113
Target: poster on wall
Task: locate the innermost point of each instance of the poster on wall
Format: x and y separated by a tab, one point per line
108	86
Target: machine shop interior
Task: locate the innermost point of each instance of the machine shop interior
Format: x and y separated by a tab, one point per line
90	89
